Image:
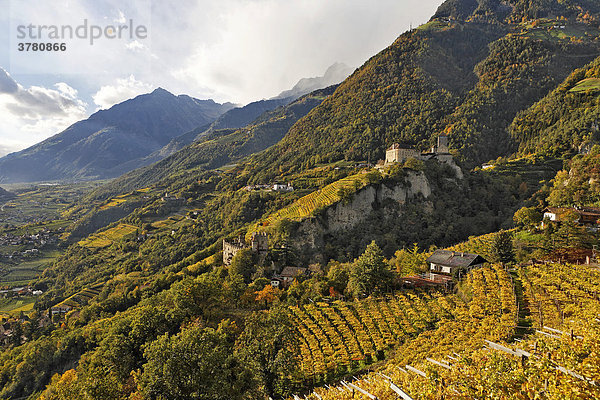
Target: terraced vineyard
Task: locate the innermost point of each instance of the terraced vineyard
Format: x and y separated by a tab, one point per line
107	237
557	295
478	244
342	337
123	198
11	307
114	202
172	222
476	354
307	205
82	297
586	85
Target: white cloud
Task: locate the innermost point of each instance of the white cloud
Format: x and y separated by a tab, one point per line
66	90
94	49
251	49
30	115
121	19
122	90
4	150
136	45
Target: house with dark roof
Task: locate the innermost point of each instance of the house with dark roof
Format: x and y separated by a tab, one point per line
448	263
290	273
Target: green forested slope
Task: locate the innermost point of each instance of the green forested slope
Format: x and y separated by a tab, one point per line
515	10
579	183
564	121
518	71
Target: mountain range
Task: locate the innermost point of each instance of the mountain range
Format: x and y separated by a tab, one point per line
101	145
241	116
216	148
141	131
335	74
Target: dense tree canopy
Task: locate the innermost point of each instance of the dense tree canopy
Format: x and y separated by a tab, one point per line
369	273
197	363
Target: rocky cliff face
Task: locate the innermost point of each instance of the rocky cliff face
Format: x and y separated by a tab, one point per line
311	235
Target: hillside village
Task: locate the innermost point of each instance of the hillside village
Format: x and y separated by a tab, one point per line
30	243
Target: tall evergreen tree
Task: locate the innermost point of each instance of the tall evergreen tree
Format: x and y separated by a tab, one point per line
501	250
369	273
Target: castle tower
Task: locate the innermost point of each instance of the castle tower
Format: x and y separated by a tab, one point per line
260	242
442	144
392	154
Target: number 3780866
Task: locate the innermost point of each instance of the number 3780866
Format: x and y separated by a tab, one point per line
42	46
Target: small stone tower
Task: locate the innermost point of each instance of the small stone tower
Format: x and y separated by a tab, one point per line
260	243
442	144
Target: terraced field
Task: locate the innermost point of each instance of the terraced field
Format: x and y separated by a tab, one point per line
173	222
478	244
420	327
113	203
555	31
307	205
343	337
107	237
10	307
82	297
26	271
479	354
587	85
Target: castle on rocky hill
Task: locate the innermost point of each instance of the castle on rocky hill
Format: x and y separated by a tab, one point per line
399	154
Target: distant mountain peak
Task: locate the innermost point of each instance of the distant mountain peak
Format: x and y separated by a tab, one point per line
160	90
336	70
335	74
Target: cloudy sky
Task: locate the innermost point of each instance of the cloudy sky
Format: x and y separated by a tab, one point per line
227	50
